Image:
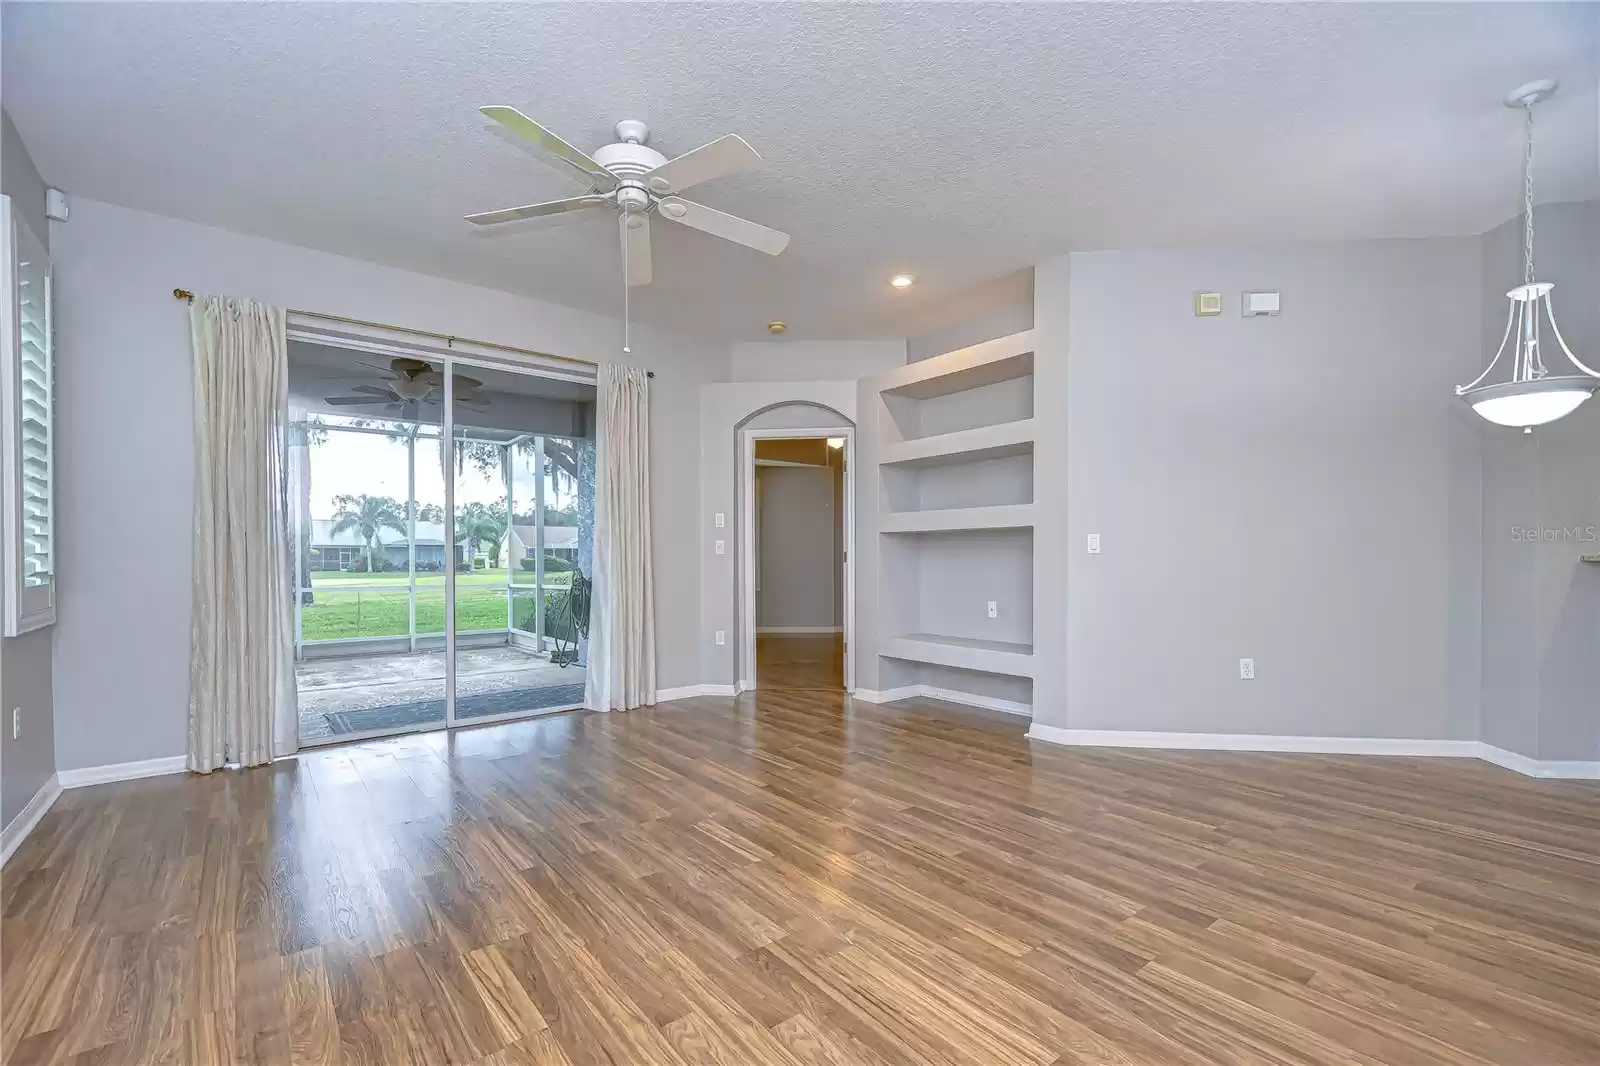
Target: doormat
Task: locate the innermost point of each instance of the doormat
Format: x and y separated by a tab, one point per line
431	712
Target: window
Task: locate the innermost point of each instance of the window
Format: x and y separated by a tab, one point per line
27	386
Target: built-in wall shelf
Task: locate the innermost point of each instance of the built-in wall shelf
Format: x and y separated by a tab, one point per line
984	442
966	653
988	363
1012	516
953	507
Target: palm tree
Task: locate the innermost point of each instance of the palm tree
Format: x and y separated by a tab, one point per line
368	515
484	524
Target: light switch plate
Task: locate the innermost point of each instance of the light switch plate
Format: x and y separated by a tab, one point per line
1257	304
722	519
721	637
1094	544
722	547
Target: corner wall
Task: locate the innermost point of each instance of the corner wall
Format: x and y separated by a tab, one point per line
1541	513
25	662
1289	489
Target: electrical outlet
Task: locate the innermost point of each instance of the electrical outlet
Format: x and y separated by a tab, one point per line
16	723
1094	544
722	547
994	609
721	637
1247	669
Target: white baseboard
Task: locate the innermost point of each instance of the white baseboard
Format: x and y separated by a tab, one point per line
17	830
887	695
799	629
123	771
1565	769
1456	749
988	703
685	692
1130	738
949	695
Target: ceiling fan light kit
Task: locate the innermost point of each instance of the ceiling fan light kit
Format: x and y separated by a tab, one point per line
1533	396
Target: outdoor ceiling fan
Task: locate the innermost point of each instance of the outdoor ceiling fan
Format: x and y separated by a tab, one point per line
410	381
637	181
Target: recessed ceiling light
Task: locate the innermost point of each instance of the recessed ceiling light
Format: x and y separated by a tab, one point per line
902	281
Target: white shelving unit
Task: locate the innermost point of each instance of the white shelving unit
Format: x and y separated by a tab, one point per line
963	653
984	442
950	519
954	514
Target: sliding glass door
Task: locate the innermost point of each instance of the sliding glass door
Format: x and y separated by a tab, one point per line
440	518
517	515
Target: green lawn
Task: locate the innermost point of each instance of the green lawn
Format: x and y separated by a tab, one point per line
494	578
343	613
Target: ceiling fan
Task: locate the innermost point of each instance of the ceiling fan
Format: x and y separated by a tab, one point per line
637	181
411	381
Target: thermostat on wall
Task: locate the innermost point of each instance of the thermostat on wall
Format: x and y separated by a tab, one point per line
1260	303
1207	304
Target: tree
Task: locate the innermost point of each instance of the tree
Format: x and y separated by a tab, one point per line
368	515
479	523
553	516
430	512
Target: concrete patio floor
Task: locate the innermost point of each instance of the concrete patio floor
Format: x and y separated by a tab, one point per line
409	689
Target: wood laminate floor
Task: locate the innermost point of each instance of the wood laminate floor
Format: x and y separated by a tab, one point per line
806	882
800	661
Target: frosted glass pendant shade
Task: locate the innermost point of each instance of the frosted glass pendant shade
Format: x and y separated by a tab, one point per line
1531	403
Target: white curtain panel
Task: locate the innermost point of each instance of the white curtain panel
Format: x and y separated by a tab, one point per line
240	668
622	631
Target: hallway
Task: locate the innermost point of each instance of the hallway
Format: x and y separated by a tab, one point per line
809	661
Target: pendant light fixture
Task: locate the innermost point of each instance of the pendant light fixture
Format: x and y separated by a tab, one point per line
1533	396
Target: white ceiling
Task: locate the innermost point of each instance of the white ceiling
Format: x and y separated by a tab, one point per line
960	142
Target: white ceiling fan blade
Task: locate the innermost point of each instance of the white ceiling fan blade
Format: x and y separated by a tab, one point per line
549	207
551	145
722	156
354	401
728	227
636	249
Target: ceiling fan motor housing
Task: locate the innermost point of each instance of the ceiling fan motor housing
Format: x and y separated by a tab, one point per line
628	161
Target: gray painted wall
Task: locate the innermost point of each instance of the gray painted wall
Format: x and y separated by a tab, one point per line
25	662
799	565
122	648
1541	605
1286	489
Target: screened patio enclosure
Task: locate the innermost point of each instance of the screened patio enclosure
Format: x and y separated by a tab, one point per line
440	543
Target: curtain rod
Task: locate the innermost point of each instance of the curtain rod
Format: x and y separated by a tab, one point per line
186	295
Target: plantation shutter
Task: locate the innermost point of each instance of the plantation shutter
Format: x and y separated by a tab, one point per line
30	417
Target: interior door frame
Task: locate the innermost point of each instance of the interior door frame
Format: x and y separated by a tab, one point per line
745	667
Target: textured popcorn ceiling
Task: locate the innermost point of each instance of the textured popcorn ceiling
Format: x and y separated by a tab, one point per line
960	142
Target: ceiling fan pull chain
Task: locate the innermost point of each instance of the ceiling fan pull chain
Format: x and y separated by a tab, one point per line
622	235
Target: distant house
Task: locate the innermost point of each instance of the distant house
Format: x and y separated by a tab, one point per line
560	541
337	551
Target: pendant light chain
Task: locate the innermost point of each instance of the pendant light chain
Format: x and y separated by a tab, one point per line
1527	195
